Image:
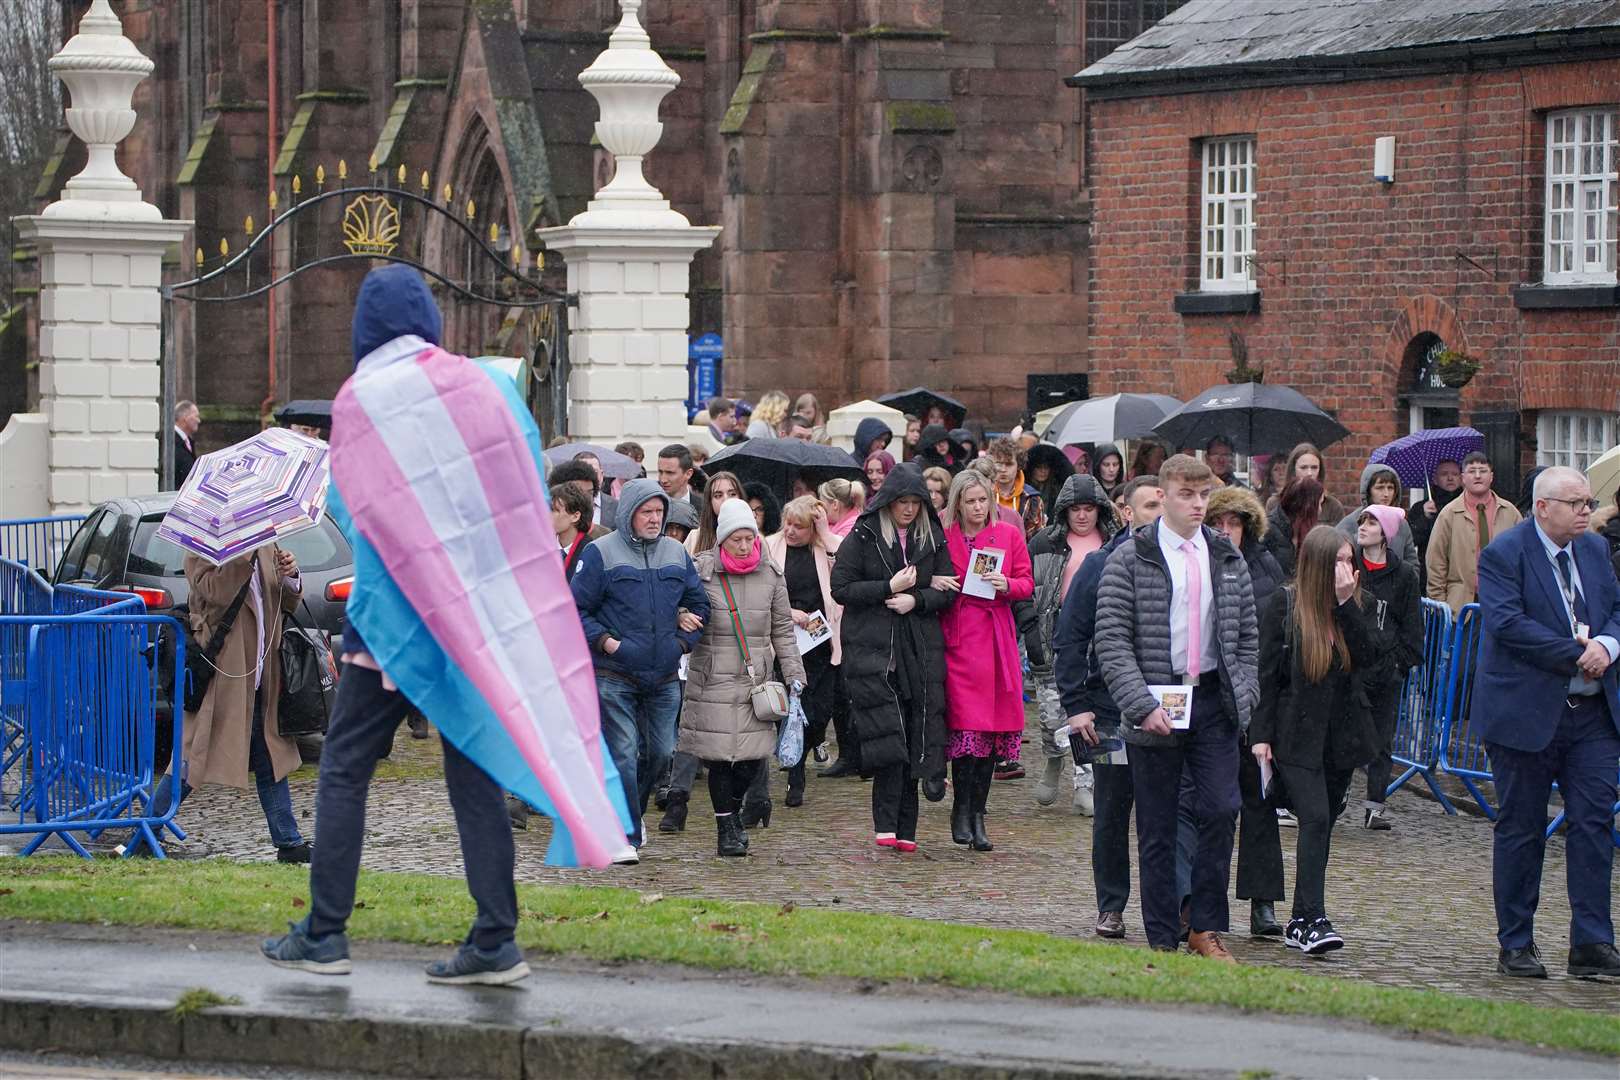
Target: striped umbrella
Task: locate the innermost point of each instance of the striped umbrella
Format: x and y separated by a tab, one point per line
241	498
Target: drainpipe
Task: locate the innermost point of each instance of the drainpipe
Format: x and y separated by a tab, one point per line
271	138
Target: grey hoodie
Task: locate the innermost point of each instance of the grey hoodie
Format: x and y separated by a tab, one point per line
1404	546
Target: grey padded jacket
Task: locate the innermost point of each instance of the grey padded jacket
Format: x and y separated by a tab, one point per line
1132	639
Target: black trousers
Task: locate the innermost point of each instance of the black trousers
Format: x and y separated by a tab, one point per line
1114	795
849	747
1208	754
728	781
1385	700
894	801
361	729
825	685
1259	860
1318	797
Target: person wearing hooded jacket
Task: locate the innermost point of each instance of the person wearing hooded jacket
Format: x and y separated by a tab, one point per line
1108	466
1381	486
930	455
894	650
871	435
1082	522
642	607
1393	603
1046	468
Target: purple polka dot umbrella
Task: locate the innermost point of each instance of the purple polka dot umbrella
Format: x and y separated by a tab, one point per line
1413	457
241	498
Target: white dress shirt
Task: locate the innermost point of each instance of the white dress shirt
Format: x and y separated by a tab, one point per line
1176	560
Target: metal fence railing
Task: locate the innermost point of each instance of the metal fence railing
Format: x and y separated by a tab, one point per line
80	683
38	542
1421	722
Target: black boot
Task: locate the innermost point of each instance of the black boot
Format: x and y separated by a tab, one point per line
730	840
756	814
984	773
795	792
1263	919
962	780
674	812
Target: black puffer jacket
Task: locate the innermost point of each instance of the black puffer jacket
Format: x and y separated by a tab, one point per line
1313	725
929	458
894	661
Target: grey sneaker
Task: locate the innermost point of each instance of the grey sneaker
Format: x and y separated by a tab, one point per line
300	952
471	965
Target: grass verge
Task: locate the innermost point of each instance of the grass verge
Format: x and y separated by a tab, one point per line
621	925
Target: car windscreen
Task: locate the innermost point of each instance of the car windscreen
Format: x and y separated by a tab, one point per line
321	548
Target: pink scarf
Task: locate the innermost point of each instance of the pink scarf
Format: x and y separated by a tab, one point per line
745	565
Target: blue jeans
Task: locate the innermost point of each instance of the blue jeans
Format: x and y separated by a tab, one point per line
274	797
639	723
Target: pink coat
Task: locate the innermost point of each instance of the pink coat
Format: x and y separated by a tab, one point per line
984	682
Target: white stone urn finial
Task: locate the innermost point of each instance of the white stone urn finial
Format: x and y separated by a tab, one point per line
628	80
101	68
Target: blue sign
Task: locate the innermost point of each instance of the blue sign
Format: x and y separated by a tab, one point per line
703	358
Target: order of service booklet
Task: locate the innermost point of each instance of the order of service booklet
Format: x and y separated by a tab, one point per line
814	634
1176	701
981	562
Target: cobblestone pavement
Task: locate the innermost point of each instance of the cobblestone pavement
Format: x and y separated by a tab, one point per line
1414	904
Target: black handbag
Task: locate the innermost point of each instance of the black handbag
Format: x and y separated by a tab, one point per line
200	662
308	679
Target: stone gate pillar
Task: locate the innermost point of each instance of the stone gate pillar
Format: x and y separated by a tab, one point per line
629	257
100	251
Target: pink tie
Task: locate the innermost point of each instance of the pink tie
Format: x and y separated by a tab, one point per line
1195	599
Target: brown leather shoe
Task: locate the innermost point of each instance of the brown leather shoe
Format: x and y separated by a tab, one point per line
1110	924
1208	943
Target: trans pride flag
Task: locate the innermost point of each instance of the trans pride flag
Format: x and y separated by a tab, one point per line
459	591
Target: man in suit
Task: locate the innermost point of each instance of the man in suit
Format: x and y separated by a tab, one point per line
186	422
1547	700
604	507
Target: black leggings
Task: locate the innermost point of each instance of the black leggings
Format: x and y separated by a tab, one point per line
728	782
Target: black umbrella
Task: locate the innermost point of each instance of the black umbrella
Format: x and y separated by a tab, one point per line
919	399
775	463
1255	418
310	412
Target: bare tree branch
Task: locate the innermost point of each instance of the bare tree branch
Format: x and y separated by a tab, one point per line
30	98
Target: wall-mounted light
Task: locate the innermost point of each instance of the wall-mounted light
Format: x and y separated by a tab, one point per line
1384	159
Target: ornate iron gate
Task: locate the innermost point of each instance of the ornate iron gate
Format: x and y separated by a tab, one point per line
389	223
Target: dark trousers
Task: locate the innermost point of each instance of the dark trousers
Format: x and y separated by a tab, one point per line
639	723
1385	702
894	801
728	781
1582	758
1318	797
1259	859
817	699
361	729
849	746
1208	752
1113	795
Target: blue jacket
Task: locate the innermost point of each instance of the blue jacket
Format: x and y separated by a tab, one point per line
631	590
1075	670
1527	653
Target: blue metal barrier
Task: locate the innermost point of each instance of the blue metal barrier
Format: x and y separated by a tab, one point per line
38	542
1420	722
90	732
1462	750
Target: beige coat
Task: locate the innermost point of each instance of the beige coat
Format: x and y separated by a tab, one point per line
776	551
1453	555
219	732
717	722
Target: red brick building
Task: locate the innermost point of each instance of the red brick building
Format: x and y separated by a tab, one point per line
899	180
1236	213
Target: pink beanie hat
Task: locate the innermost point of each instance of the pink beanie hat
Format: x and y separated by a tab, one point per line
1389	519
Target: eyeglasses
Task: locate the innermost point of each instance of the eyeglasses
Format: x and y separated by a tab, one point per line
1576	504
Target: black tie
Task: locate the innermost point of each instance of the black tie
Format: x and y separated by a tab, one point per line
1572	595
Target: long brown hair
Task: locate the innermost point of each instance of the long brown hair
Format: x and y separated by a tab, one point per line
1302	501
1313	633
707	521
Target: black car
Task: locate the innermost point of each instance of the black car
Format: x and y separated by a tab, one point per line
118	548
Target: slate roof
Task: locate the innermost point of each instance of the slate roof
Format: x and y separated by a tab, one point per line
1207	37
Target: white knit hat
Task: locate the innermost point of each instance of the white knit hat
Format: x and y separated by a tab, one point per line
734	514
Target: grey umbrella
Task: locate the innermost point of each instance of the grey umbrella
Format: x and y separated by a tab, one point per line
615	465
1254	417
1109	419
